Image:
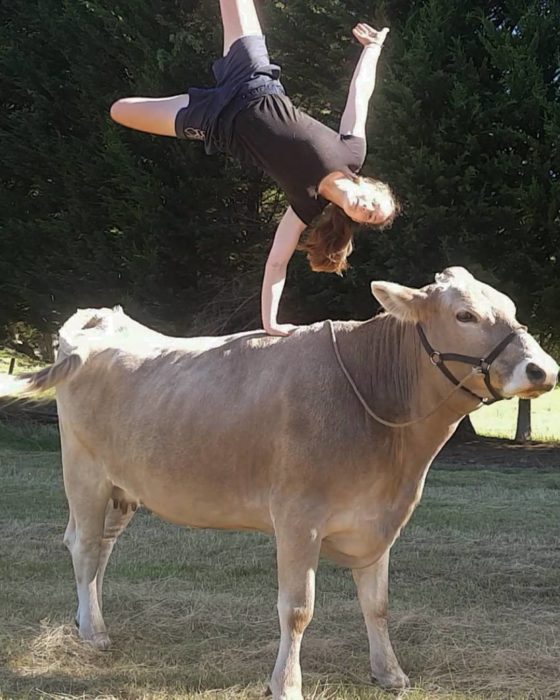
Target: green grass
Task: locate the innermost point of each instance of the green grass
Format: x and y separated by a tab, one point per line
500	419
23	364
28	436
475	600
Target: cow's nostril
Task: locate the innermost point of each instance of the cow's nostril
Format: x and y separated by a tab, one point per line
535	373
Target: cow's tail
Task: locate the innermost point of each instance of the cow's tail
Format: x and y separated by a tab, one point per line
43	380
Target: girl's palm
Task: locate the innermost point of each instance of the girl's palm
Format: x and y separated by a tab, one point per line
367	35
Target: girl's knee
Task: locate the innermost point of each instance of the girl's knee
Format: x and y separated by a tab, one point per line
119	110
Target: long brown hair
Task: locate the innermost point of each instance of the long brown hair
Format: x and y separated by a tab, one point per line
329	240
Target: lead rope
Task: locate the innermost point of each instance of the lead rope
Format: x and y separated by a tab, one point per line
390	424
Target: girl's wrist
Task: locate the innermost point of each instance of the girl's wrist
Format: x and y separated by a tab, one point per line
373	44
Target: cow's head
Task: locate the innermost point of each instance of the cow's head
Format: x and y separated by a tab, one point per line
461	315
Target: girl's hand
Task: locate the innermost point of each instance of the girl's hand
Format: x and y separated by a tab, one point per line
368	36
280	329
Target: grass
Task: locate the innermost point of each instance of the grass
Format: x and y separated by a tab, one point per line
500	419
475	601
23	363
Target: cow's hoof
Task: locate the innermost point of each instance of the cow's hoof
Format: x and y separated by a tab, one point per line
395	680
285	695
100	641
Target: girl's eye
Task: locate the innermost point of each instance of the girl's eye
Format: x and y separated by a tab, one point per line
466	317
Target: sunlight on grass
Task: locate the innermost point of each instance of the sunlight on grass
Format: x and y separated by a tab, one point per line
500	420
23	363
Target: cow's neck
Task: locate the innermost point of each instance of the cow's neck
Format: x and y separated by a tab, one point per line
396	378
398	381
383	357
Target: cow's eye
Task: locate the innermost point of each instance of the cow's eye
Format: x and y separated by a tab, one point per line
466	317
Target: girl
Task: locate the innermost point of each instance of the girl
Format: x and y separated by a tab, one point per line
249	116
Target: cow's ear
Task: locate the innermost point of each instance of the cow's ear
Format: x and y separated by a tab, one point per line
405	303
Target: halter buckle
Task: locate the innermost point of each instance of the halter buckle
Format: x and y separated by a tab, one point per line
484	366
435	358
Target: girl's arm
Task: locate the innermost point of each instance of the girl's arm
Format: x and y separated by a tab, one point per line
353	120
285	242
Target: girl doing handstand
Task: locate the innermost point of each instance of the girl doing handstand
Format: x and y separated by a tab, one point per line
249	116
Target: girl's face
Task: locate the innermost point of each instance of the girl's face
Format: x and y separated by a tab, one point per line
367	203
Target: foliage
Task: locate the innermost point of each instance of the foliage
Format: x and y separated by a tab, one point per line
465	125
95	214
468	130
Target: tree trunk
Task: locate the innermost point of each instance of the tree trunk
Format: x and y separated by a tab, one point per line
523	432
465	431
46	346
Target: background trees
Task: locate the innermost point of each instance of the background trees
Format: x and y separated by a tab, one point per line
465	126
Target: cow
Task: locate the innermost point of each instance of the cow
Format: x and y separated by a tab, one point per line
322	439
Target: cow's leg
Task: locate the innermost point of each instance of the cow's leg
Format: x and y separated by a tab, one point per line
372	585
88	491
117	517
298	555
69	539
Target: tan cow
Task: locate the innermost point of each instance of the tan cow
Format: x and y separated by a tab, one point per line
276	434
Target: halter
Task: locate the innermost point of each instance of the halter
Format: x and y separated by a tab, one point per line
481	364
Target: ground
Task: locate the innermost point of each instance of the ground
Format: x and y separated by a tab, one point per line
496	453
475	599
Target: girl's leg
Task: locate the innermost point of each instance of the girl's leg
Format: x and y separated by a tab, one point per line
157	115
239	18
154	115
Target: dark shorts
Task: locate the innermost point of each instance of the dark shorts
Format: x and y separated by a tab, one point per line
243	74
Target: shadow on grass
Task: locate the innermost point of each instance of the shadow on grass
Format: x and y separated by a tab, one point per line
56	661
28	435
499	453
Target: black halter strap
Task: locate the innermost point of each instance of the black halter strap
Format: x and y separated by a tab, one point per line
481	363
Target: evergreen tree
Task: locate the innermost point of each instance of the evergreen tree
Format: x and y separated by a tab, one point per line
464	125
95	214
468	131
